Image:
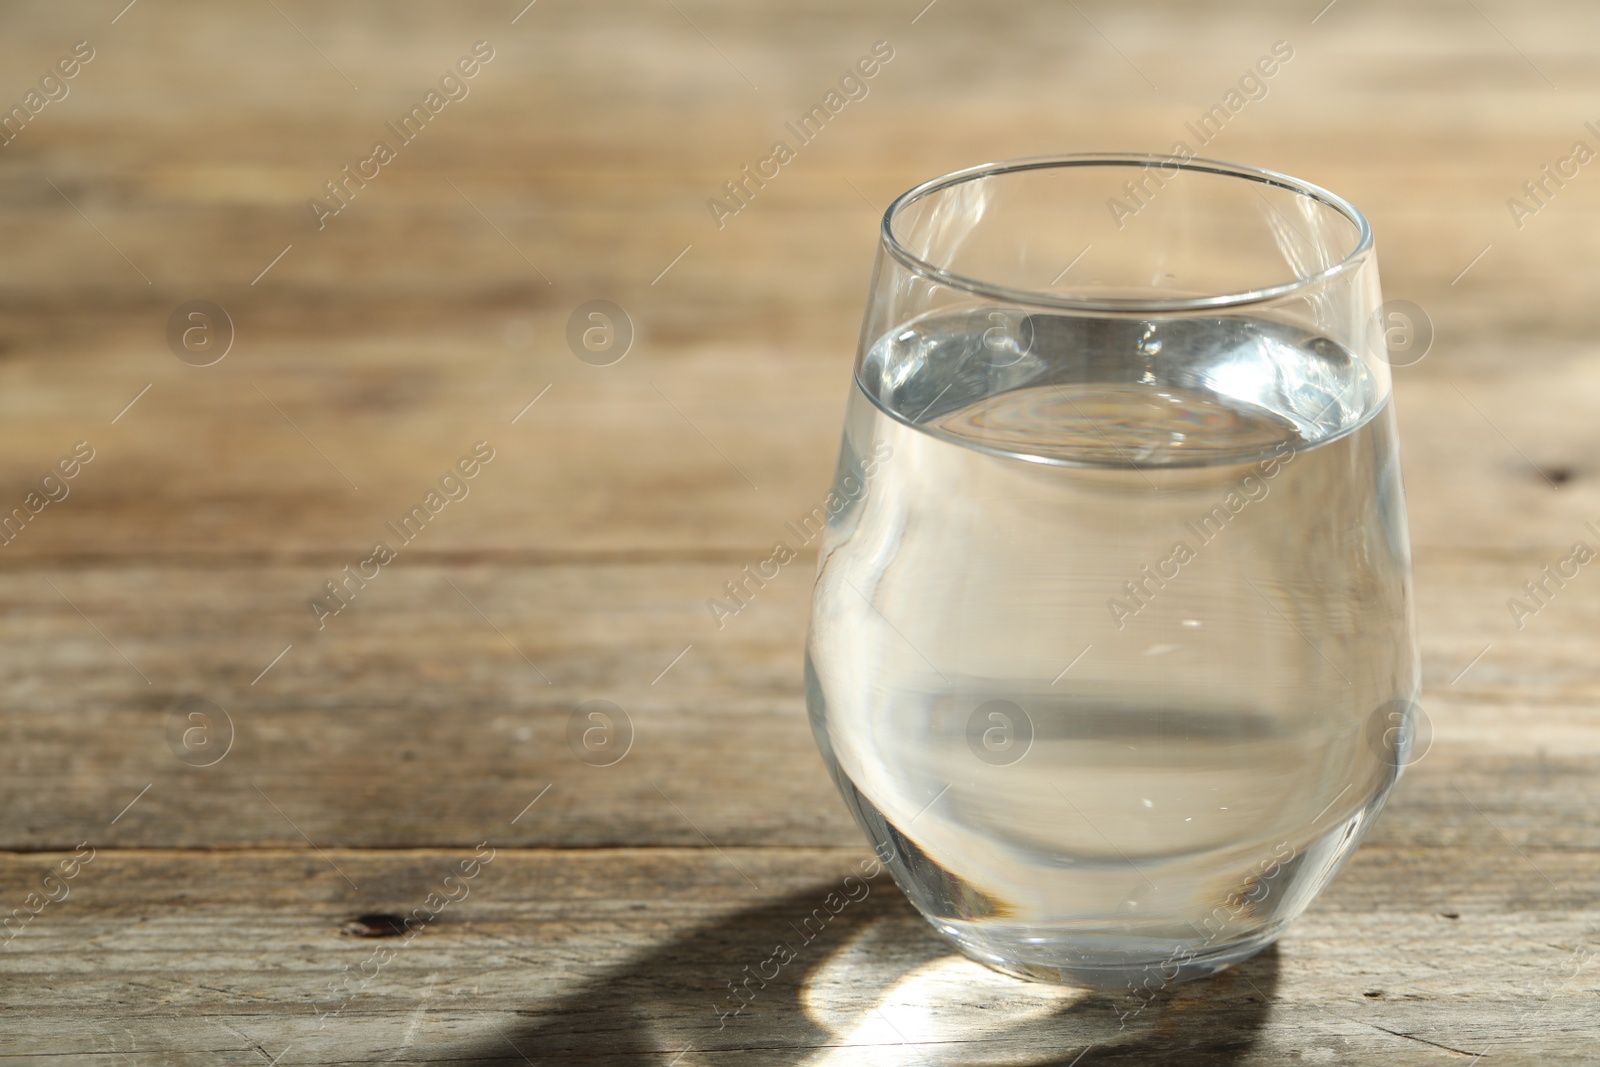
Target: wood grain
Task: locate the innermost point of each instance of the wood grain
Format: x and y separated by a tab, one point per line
379	750
624	956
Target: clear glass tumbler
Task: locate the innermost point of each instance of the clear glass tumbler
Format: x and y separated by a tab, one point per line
1111	651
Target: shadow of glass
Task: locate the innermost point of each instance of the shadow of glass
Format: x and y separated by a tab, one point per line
874	985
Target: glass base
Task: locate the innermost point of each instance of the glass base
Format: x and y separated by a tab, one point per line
1100	962
1105	952
1063	927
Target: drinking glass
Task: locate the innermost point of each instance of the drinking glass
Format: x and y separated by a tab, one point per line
1111	650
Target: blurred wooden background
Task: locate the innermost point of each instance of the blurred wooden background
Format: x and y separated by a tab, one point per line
365	760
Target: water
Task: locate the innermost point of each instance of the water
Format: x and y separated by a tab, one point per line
1107	631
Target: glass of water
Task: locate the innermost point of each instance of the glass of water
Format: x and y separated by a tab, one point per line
1111	650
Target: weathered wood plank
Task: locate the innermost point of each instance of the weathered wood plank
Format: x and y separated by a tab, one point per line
623	957
621	459
412	719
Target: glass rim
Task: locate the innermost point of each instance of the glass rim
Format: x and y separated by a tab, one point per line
1263	294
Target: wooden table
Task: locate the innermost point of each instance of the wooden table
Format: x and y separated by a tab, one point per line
363	757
